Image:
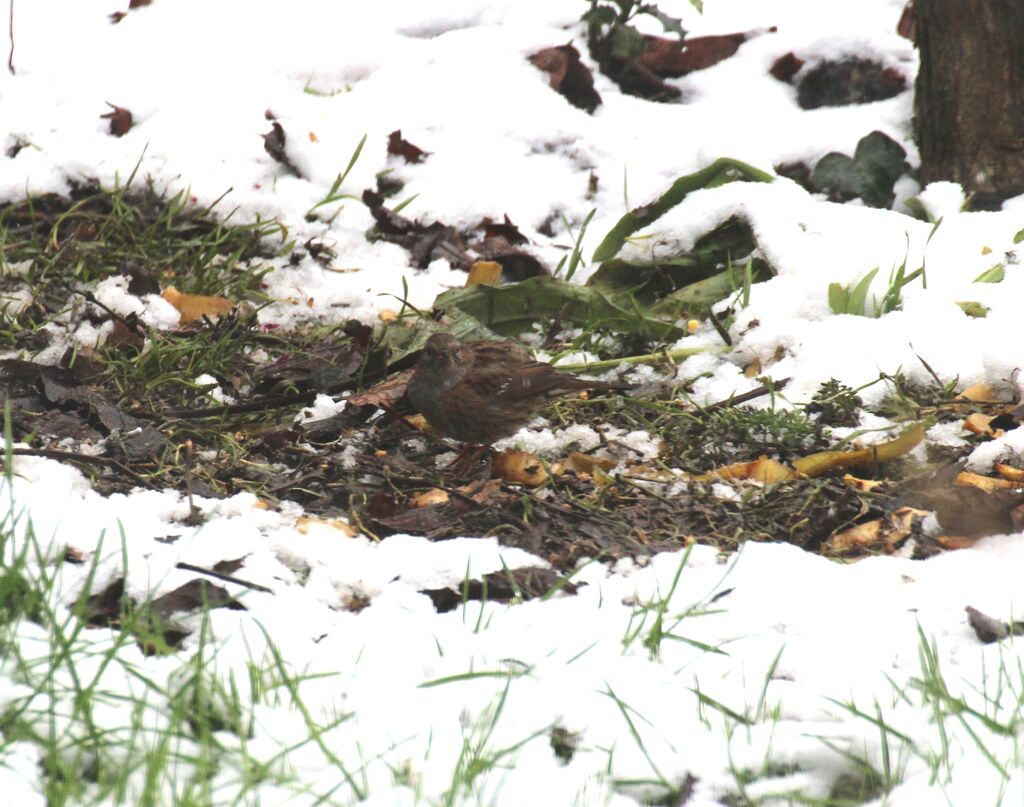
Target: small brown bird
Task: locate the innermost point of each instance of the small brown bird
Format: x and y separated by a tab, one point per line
479	392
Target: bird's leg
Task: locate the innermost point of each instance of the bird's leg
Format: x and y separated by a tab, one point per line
473	460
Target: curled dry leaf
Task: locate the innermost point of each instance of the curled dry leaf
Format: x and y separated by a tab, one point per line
306	524
815	465
672	58
384	394
765	470
586	464
886	534
485	273
430	497
977	423
120	120
196	306
274	144
978	392
1009	472
520	468
986	483
955	541
400	147
785	67
862	485
568	76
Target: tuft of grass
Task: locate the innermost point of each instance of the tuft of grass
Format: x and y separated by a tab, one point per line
95	232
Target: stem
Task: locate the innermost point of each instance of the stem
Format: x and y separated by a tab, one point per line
647	358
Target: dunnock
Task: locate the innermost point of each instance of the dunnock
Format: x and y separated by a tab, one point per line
479	392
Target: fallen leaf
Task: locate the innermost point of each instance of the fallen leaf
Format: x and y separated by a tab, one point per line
430	497
978	423
985	483
274	144
955	541
487	273
568	76
400	147
862	485
785	67
765	470
672	58
196	306
882	533
305	524
815	465
384	394
978	392
120	120
1009	472
520	468
587	464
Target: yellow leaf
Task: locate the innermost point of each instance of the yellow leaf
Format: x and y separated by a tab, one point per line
978	392
520	468
1009	472
966	479
484	273
196	306
825	461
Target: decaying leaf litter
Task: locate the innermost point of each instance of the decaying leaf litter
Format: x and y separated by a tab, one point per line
377	468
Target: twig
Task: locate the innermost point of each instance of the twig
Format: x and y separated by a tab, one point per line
735	400
227	578
10	31
646	358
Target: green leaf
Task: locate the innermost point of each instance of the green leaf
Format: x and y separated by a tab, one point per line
721	171
859	295
516	307
877	163
1018	237
838	298
993	275
627	42
651	279
671	25
851	299
697	297
974	309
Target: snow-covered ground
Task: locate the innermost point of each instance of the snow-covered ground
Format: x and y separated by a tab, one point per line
780	674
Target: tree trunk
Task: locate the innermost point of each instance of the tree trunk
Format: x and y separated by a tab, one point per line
969	100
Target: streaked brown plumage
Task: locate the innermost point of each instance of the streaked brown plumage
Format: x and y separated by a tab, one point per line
479	392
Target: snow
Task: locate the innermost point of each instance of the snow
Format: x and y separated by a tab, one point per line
808	651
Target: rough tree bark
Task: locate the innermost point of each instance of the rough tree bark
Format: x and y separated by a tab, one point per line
969	100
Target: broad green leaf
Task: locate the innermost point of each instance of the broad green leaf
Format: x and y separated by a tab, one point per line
993	275
517	307
721	171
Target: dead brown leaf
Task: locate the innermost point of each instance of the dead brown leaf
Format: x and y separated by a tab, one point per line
120	120
886	534
400	147
568	76
384	394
